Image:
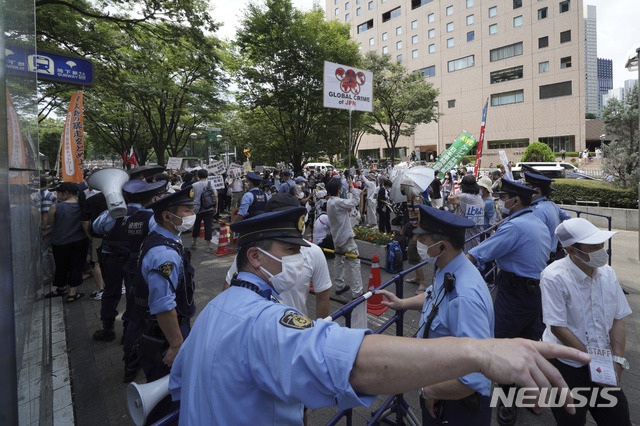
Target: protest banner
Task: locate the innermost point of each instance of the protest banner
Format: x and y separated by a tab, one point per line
216	168
452	156
346	87
174	163
217	181
72	158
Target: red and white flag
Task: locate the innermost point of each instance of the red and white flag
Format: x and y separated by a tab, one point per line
132	158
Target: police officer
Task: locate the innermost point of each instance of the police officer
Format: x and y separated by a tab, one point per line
546	210
458	304
254	201
163	286
113	253
252	360
520	248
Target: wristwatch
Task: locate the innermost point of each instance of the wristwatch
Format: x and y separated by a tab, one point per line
622	361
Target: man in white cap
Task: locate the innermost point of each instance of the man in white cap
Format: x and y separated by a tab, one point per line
583	307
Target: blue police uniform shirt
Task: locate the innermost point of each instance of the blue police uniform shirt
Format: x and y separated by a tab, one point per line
466	311
161	296
105	223
489	212
245	363
520	246
246	201
285	187
551	215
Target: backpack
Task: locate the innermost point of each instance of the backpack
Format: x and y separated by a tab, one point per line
207	198
394	257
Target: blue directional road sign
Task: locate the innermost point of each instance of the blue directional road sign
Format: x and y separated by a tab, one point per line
48	66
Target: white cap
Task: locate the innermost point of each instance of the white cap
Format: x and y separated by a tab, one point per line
485	182
578	230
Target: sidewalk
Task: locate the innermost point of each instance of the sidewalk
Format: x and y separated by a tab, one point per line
99	396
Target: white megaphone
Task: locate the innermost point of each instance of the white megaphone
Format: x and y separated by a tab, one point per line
141	399
109	182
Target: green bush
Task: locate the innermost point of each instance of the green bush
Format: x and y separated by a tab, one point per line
354	161
538	151
570	190
567	154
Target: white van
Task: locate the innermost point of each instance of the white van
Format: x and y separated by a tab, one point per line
320	167
550	170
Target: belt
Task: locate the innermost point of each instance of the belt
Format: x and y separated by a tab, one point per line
517	279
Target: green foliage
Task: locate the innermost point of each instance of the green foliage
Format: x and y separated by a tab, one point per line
354	161
538	151
621	155
372	235
568	154
570	190
402	99
590	116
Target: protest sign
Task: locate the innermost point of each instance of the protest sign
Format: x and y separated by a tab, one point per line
217	181
452	156
174	163
346	87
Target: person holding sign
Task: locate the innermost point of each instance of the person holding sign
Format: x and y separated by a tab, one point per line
583	307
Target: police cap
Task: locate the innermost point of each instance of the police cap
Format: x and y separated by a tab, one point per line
514	188
148	190
436	221
131	186
145	171
286	226
538	181
254	177
184	197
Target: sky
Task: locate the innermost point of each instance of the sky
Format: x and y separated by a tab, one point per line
617	22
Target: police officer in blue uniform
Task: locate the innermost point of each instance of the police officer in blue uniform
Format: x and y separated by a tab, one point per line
253	201
458	304
520	248
546	210
253	360
113	253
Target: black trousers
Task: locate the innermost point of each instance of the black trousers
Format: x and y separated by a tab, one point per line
113	274
207	217
69	260
384	221
579	377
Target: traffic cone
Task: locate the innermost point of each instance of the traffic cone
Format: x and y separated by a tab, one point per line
223	242
374	303
201	230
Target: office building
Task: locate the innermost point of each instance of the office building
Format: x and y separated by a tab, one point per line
619	93
605	80
591	61
527	58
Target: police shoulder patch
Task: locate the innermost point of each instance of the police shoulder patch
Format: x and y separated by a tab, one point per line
295	320
166	268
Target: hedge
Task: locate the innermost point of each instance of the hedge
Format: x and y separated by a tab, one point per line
570	190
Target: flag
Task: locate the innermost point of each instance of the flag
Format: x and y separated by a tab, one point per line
481	140
132	157
72	159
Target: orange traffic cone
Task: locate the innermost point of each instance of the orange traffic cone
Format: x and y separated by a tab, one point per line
223	242
201	230
374	303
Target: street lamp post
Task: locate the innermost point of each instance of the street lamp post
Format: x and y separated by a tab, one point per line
192	138
633	64
226	155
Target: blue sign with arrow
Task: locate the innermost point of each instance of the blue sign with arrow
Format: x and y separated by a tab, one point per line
49	66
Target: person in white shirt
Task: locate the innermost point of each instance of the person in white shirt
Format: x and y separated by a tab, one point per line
372	219
583	306
235	184
338	210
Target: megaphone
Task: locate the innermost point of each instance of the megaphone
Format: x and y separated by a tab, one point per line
141	399
109	182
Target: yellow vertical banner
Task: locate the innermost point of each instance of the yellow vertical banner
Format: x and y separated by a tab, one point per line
72	158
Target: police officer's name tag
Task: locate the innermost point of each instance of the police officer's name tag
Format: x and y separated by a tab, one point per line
601	366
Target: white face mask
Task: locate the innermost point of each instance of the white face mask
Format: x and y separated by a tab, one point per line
292	266
187	222
503	208
423	252
597	258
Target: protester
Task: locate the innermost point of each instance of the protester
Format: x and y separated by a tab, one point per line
206	198
469	204
42	201
384	206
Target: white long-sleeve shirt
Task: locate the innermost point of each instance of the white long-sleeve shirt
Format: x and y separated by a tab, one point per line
338	211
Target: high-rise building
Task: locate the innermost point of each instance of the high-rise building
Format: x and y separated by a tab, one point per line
605	80
527	58
591	61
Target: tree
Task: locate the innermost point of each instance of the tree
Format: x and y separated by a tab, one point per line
401	100
278	62
538	151
621	155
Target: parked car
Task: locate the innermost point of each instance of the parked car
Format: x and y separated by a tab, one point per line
576	175
550	170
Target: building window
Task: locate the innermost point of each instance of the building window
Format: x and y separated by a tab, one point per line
414	25
505	52
366	26
391	14
558	143
358	1
451	103
469	3
565	62
429	71
470	20
517	4
555	90
470	36
449	10
543	42
564	6
346	17
450	42
493	11
399	58
565	36
414	54
493	28
543	67
431	33
398	30
508	143
414	39
507	98
399	45
383	1
417	3
460	64
358	11
371	42
346	6
507	74
450	27
432	48
385	50
370	5
337	11
542	13
336	1
431	17
384	36
517	21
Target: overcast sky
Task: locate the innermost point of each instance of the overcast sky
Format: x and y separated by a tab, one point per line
618	28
